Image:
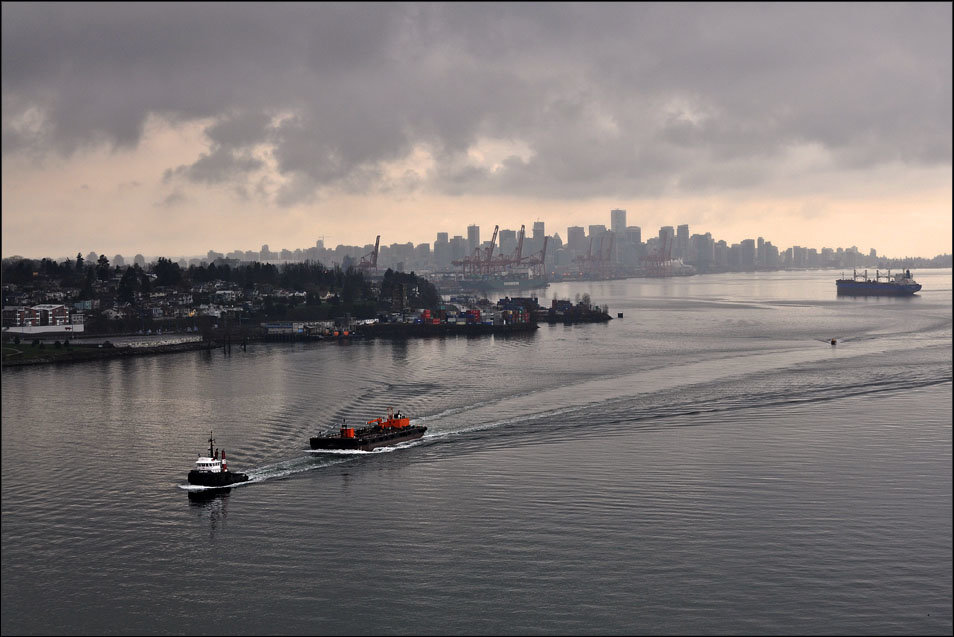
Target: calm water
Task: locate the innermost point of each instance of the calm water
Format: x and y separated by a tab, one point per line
707	464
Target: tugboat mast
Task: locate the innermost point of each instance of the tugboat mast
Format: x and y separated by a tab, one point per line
211	441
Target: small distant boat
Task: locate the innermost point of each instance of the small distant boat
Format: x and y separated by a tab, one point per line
860	285
834	342
381	432
211	471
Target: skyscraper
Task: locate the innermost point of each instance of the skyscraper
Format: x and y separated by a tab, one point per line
682	242
473	238
666	236
538	231
576	238
618	221
634	235
442	250
507	241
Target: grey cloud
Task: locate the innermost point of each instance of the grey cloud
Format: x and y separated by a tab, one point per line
593	90
221	165
172	200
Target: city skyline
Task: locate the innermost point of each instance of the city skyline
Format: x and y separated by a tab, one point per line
702	252
644	236
815	125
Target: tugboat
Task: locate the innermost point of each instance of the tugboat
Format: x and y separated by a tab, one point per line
212	472
380	432
860	285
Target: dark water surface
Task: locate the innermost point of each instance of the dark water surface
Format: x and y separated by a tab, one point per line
707	464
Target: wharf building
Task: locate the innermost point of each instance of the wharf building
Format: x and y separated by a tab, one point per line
43	318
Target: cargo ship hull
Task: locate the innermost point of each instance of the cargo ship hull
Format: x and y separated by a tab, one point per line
365	440
875	288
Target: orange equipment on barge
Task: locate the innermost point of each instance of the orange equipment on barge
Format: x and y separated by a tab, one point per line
380	432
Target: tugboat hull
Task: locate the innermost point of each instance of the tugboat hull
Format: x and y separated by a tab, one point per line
367	441
221	479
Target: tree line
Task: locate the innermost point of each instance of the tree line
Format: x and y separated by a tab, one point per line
348	286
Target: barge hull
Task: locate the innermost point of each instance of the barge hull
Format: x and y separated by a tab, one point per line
335	443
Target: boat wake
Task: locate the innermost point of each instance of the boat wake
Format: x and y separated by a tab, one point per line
199	488
359	452
315	459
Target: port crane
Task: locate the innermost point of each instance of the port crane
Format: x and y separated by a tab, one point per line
537	261
659	261
370	260
483	262
601	263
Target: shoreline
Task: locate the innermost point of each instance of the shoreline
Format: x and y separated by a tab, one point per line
78	353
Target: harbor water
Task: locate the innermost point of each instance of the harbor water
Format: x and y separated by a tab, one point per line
708	464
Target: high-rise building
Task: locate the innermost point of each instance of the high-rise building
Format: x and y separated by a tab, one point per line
618	221
634	234
118	260
538	231
459	247
701	251
747	254
681	250
666	237
596	230
473	238
507	241
442	250
576	238
760	251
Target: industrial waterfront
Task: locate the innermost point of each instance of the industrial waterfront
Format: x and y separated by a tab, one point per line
707	464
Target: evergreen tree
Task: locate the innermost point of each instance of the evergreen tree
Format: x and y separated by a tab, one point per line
102	268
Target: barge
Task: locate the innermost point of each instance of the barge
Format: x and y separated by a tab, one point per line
380	432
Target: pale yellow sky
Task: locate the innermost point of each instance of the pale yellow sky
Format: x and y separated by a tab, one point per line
175	129
112	202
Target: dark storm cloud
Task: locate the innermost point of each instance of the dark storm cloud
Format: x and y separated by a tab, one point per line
617	99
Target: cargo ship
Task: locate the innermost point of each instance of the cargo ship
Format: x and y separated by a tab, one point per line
860	285
380	432
211	471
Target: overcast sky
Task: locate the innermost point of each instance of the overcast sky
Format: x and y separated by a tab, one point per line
172	129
